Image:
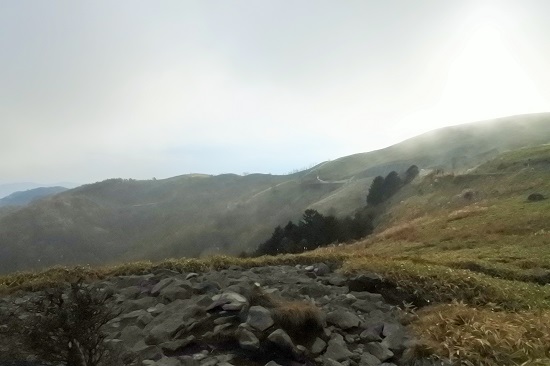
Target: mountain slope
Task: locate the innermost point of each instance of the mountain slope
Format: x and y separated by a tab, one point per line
194	215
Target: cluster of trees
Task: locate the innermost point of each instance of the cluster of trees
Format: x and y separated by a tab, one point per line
316	230
382	188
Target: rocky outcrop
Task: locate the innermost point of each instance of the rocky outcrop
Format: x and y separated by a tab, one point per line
279	315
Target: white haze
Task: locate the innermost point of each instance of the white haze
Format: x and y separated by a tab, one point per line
93	90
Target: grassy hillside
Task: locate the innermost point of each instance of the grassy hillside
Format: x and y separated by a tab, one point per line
471	249
195	215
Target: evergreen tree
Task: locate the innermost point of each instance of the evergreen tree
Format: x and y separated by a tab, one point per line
411	173
392	183
376	192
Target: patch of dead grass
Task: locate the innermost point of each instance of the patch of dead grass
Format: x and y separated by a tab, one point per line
479	336
466	212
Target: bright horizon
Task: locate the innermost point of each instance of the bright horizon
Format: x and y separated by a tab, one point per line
91	91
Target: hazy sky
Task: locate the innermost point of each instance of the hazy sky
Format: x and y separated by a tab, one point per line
91	90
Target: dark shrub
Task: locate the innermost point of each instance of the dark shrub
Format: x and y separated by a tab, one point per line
535	197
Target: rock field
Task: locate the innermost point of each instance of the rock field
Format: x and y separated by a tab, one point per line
273	315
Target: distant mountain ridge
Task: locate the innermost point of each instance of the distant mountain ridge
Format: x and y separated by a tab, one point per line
23	198
195	215
8	188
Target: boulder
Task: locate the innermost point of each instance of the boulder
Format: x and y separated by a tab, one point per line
259	318
247	340
337	349
379	351
343	319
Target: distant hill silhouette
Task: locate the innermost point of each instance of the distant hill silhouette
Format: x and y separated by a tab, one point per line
23	198
195	215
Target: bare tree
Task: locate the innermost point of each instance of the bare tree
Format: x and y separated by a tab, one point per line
66	326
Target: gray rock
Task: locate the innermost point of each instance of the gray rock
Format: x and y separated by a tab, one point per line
157	309
229	301
147	352
395	337
144	319
209	362
322	269
191	275
365	295
155	291
365	306
207	287
318	346
272	363
281	339
259	318
165	361
343	319
138	304
379	351
188	361
331	362
176	345
175	291
370	335
164	326
131	317
336	280
337	349
370	282
369	360
131	335
247	340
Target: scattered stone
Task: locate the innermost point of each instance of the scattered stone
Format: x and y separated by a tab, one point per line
282	340
343	319
322	269
259	318
229	301
177	345
169	318
365	282
318	346
369	360
337	349
247	340
272	363
191	275
379	351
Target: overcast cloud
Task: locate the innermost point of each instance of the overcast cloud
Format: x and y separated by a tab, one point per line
91	90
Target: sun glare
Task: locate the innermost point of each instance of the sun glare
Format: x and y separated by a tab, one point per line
484	80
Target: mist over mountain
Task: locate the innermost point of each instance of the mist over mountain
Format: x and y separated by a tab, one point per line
196	215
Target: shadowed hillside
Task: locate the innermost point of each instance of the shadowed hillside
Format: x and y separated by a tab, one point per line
195	215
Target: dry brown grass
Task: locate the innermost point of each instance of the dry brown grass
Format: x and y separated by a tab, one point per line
466	212
479	336
404	232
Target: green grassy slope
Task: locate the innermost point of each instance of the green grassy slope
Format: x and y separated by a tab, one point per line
195	215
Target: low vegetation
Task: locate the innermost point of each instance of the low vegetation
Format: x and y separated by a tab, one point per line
64	325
